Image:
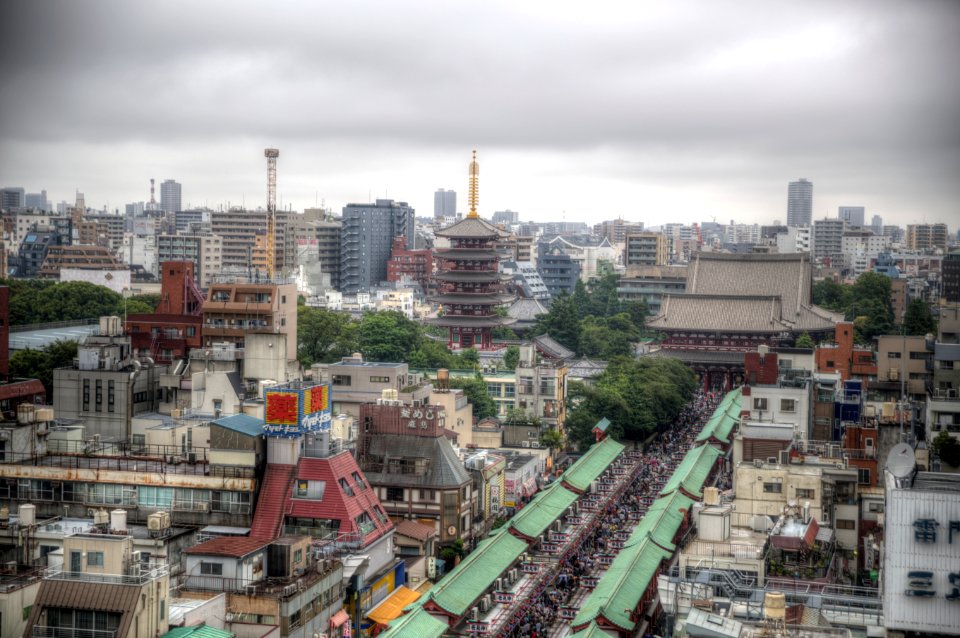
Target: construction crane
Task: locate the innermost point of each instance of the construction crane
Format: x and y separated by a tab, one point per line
271	154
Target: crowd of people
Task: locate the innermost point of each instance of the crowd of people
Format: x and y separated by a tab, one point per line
657	461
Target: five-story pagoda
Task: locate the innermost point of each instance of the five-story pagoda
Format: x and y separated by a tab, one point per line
470	287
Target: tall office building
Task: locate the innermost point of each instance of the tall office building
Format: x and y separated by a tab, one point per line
445	203
37	200
876	225
799	203
170	196
366	241
853	215
12	198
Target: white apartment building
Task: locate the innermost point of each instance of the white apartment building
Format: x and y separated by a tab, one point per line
795	240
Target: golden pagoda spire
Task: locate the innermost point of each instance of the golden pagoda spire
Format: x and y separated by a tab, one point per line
474	195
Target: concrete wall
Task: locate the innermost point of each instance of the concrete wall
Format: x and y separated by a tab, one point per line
115	280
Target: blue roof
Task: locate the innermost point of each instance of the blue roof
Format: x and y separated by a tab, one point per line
602	424
242	423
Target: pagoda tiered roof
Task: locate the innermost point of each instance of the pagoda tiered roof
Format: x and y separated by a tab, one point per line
474	254
472	228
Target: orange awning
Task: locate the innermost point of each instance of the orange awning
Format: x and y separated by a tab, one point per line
392	606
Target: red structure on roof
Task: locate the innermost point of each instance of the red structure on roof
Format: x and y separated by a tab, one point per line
174	328
272	501
231	546
348	499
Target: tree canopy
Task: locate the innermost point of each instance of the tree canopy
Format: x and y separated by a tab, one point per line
866	303
475	389
637	396
947	448
40	364
593	321
45	301
918	320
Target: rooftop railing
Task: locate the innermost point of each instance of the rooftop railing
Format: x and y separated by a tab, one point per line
142	575
43	631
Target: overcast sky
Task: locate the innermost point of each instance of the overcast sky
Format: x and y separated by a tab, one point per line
654	111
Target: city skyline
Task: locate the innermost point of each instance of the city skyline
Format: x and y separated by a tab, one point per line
649	113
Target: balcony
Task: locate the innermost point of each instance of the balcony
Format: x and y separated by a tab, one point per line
142	574
43	631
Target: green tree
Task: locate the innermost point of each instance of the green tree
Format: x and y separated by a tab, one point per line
388	336
68	301
511	357
831	295
805	341
552	439
947	448
562	322
324	336
40	364
918	320
475	388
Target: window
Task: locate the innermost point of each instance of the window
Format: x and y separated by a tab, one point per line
359	481
875	507
110	395
830	364
805	493
340	379
845	524
376	378
893	355
86	395
394	493
94	559
302	488
99	395
863	476
345	486
921	356
773	488
759	403
946	365
211	569
788	405
298	556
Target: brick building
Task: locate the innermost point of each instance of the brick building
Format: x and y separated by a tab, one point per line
414	264
852	362
174	328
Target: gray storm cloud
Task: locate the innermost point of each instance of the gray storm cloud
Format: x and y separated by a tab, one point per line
679	110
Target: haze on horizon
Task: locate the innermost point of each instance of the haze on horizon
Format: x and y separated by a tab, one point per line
656	111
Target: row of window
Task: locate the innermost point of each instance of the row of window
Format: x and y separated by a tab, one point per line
181	499
786	405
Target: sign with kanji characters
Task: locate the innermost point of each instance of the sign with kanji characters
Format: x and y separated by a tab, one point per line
478	627
293	409
567	613
504	597
530	568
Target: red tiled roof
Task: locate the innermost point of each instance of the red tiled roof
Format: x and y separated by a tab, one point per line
21	388
336	505
232	546
413	529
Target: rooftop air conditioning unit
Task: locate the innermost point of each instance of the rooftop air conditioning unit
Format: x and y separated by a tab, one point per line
474	614
524	443
251	590
758	462
485	604
499	584
535	444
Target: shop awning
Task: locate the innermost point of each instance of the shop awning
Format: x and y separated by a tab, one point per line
393	605
339	618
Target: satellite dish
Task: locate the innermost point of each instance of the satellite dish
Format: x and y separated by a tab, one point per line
901	461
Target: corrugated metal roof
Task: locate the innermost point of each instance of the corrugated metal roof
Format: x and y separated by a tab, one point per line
198	631
242	423
622	586
467	581
662	520
416	624
593	630
592	464
92	596
546	507
232	546
723	420
692	472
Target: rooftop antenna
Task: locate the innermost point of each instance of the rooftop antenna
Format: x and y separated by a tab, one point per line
474	189
153	200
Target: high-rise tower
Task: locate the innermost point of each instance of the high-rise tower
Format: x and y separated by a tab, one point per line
271	154
799	203
469	284
170	196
